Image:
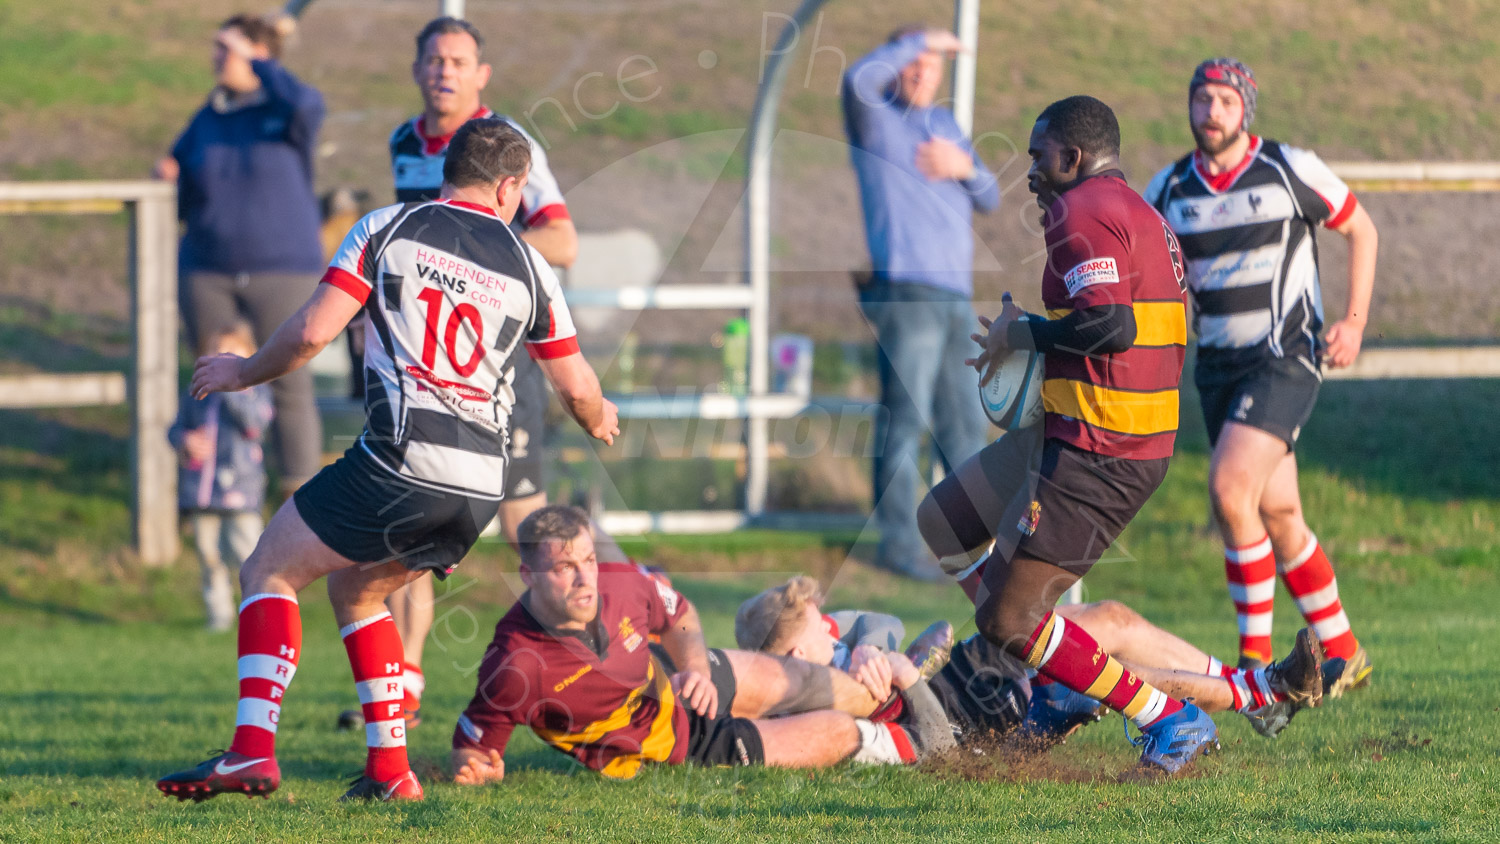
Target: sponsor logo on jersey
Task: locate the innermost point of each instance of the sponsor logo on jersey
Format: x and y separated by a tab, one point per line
427	273
1255	201
668	597
1222	210
1188	213
573	678
418	172
632	639
519	441
463	392
1090	273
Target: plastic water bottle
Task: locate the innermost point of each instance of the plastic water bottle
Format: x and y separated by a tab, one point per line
736	356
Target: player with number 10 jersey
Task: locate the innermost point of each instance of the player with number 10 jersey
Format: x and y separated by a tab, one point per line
451	295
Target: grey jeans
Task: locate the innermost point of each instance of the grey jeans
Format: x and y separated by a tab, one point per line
222	538
212	302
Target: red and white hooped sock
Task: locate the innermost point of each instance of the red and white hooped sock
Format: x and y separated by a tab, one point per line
1251	571
375	654
1251	689
413	682
1216	668
270	637
1309	577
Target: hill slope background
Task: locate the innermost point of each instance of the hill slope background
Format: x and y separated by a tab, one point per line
641	106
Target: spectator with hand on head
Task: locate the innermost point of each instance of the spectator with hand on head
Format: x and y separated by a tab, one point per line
244	173
920	183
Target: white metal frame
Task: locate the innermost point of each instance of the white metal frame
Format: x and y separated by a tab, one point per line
761	406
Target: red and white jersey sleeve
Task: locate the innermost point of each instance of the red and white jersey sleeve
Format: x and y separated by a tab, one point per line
541	200
1323	195
552	334
353	268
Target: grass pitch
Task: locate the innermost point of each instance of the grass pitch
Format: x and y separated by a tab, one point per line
111	683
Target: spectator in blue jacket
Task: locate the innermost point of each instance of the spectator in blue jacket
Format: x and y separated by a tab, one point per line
920	182
221	482
250	248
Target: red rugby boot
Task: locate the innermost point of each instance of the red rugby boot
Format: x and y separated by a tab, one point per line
227	773
404	787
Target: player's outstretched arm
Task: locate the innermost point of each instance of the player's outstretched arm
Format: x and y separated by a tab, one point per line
578	388
477	767
684	643
1345	337
295	342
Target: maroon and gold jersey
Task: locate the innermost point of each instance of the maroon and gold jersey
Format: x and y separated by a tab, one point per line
1107	246
599	697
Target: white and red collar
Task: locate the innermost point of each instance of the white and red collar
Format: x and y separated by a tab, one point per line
433	145
472	206
1225	180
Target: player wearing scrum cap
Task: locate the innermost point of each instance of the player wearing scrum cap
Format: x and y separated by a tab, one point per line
1246	209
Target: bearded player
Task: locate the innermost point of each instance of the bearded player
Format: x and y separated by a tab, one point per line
449	295
451	74
1246	210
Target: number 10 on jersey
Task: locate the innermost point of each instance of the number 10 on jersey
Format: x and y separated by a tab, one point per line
463	312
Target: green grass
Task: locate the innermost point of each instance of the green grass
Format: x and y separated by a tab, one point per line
112	682
97	708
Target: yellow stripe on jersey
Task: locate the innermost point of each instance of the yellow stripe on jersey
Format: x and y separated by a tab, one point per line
1105	682
658	744
1156	323
661	740
1121	411
1160	323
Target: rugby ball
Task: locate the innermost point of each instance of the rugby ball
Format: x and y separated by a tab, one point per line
1012	397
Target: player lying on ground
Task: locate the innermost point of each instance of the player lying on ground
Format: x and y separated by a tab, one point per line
983	689
571	661
449	296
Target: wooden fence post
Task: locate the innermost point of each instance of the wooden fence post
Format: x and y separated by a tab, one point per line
153	383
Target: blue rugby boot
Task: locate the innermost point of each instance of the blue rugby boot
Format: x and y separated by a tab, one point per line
1057	712
1173	742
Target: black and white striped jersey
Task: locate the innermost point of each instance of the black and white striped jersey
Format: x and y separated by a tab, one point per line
450	294
1249	239
417	169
